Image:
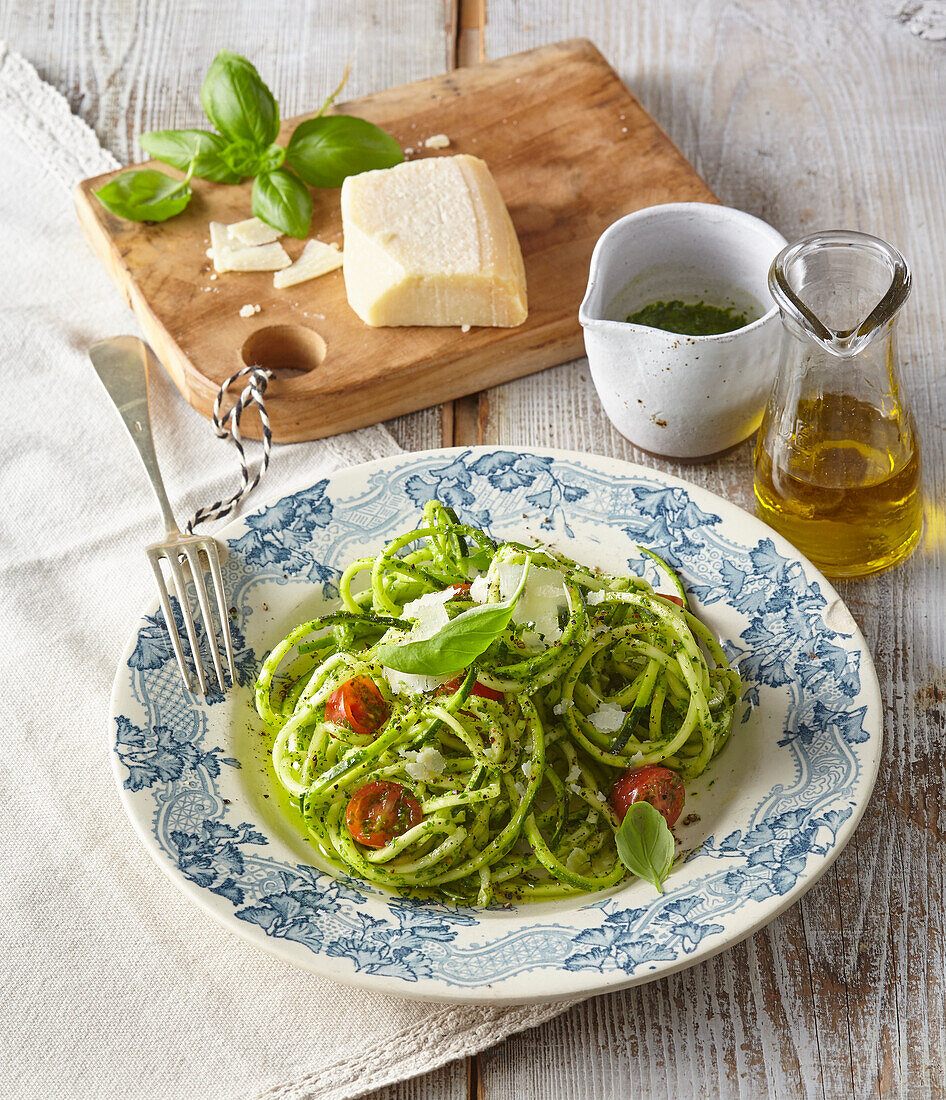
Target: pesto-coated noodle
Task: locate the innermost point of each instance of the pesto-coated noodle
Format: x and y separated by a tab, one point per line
513	790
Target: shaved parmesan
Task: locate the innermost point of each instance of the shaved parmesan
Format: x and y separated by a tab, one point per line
578	860
318	258
425	764
226	257
608	718
541	601
267	257
251	232
479	590
406	683
428	612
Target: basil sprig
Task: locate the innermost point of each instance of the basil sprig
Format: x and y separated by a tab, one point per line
645	843
321	152
457	644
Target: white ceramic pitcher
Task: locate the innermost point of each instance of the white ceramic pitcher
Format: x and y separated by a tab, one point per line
676	395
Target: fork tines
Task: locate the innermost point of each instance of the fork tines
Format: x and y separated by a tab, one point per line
194	556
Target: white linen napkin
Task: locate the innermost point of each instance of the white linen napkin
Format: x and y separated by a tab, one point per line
112	983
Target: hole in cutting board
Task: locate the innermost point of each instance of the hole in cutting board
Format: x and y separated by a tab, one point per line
284	349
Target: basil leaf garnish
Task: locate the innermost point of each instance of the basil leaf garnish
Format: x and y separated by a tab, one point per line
195	151
645	843
325	150
238	103
146	195
456	645
283	201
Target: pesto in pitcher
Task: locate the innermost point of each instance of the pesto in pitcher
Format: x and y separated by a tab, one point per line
689	318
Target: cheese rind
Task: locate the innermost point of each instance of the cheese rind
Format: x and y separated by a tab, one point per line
430	242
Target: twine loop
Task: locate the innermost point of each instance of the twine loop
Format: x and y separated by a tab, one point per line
227	426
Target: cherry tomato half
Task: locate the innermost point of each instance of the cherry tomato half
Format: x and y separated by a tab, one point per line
357	704
659	786
673	599
380	811
479	689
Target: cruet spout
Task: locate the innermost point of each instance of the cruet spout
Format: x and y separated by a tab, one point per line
837	462
841	289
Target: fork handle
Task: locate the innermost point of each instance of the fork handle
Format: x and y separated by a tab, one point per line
122	364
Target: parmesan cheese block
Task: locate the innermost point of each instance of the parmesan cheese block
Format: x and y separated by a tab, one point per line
430	242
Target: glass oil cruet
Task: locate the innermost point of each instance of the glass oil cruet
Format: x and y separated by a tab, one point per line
837	461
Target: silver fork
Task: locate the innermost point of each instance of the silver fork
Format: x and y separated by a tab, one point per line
122	363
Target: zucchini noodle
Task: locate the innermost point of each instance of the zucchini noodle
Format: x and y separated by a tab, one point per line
512	788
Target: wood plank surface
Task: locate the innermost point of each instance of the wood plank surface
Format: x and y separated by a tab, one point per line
818	113
844	995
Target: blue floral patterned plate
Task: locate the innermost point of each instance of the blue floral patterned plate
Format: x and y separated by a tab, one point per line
763	824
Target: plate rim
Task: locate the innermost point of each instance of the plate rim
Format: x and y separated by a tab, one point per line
433	989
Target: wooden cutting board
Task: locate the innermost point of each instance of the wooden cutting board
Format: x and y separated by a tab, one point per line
571	149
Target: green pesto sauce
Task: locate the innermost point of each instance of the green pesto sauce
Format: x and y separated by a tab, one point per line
689	318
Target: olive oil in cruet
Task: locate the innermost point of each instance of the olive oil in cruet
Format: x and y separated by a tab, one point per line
837	463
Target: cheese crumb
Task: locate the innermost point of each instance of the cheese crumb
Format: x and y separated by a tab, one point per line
248	310
608	718
437	141
595	597
465	328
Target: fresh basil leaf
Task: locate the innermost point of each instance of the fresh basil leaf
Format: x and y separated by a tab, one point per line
325	150
243	158
645	843
283	201
248	160
272	158
194	151
238	103
457	644
146	195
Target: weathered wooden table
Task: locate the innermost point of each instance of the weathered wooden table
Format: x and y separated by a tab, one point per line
810	114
